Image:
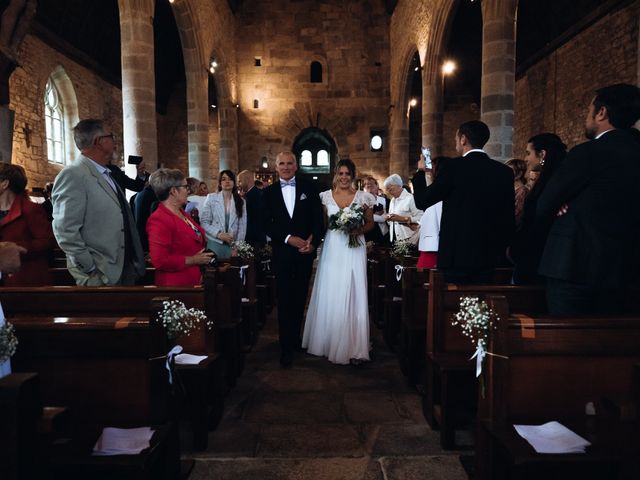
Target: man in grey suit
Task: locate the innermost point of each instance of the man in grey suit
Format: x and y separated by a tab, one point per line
92	220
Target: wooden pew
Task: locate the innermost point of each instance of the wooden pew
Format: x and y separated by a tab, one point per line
449	400
62	277
393	298
375	284
411	350
110	372
20	410
250	305
548	369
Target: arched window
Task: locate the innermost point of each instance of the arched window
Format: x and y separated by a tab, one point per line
323	158
60	115
54	123
316	72
306	159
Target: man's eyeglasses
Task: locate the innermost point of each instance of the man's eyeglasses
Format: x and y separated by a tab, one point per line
111	136
183	186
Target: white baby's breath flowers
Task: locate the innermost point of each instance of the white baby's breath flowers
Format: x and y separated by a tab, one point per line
476	319
403	248
8	342
178	320
245	251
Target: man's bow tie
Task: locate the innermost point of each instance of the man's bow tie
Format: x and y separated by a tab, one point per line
290	183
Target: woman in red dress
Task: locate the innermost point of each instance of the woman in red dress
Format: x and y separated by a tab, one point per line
176	241
26	224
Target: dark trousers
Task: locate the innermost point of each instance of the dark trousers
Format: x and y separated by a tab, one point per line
568	298
292	283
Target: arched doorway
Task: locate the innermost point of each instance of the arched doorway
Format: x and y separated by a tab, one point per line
316	152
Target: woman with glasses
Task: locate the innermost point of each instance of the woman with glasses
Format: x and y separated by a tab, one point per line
176	241
224	216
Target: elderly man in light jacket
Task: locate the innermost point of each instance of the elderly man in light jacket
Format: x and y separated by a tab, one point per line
402	210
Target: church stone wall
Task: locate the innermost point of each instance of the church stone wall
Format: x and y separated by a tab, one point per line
553	94
95	97
350	40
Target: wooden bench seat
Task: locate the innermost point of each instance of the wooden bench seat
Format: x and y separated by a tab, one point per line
549	369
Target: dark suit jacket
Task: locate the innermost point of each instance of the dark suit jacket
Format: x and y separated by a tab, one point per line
124	182
307	219
253	198
597	241
478	216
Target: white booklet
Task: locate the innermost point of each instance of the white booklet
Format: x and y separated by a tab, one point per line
188	359
552	437
123	441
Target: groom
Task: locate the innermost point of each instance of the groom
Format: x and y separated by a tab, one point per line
292	215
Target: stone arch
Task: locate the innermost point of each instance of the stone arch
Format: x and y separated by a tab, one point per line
195	65
399	122
432	80
69	101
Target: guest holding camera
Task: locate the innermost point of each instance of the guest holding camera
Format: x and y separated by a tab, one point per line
176	241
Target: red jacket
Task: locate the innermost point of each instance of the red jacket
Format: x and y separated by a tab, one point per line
170	241
27	225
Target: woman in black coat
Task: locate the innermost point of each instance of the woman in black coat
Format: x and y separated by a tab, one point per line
545	151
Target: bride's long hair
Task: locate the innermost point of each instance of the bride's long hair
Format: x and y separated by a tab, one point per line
346	162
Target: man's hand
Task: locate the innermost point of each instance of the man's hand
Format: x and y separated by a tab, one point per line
141	170
10	257
308	246
296	242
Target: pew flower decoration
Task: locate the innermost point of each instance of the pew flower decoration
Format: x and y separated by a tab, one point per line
179	320
347	220
243	249
8	342
403	248
476	320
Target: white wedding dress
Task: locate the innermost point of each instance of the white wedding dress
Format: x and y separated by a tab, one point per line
337	323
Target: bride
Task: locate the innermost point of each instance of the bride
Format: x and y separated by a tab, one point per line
337	323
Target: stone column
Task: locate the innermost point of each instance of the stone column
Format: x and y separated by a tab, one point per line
138	83
432	104
399	151
228	151
498	74
198	121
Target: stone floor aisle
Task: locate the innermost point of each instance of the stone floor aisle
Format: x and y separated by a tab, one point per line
324	422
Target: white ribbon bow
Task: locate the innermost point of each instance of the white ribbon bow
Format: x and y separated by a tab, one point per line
170	356
399	270
479	356
243	276
266	265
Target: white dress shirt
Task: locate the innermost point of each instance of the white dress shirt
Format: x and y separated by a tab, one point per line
379	218
289	195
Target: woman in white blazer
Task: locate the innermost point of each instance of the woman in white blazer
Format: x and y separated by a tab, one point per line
224	216
402	210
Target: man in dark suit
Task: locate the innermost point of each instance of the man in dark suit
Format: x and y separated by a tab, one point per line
292	216
252	197
478	216
127	183
593	248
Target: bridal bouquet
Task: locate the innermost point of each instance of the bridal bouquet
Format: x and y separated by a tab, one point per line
8	342
347	220
178	320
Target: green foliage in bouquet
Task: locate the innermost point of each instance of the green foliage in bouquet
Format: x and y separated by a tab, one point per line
404	248
347	220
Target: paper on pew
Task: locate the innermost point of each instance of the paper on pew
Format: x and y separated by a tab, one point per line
552	437
123	441
188	359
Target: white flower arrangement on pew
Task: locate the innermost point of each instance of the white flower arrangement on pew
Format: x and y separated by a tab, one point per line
179	320
403	248
243	249
8	342
476	320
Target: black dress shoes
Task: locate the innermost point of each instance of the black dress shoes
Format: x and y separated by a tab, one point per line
286	360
